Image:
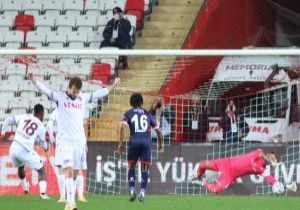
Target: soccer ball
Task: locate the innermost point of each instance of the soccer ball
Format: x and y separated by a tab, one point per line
278	188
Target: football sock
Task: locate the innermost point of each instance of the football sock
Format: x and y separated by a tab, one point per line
144	181
62	185
23	183
70	190
80	185
43	186
131	179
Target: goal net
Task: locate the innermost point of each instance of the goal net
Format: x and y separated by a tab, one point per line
208	104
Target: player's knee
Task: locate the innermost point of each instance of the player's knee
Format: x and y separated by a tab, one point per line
145	167
79	173
21	172
60	171
131	166
68	172
219	188
214	188
76	173
41	170
203	165
208	165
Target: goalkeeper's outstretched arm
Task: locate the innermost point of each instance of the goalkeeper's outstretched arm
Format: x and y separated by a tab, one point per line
270	179
290	187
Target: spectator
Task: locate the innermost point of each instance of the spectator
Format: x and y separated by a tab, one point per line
229	123
164	117
195	122
116	34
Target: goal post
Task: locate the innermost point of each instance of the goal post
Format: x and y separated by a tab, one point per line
189	92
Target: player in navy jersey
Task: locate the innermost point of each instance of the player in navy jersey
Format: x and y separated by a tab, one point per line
140	124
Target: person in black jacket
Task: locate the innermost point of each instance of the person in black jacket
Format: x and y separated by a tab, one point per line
116	33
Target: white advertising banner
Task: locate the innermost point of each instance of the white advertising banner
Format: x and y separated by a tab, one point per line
253	68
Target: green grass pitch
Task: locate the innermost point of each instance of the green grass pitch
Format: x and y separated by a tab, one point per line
152	202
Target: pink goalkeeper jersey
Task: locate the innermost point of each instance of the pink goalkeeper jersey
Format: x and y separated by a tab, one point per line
249	163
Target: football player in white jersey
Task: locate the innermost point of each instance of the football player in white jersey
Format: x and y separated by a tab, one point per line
71	107
29	130
78	178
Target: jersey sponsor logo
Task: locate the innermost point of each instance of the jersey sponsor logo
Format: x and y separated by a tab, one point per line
71	105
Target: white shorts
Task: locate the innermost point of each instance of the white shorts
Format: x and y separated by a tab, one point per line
58	154
74	155
21	156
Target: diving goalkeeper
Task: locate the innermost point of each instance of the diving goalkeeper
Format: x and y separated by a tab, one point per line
231	168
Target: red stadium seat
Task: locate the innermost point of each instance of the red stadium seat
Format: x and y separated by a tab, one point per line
24	23
135	5
139	18
101	71
136	8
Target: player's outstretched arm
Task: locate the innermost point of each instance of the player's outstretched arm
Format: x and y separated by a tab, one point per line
95	96
31	77
270	179
43	89
160	140
116	82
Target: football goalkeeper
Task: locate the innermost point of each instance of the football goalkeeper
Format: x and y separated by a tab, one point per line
231	168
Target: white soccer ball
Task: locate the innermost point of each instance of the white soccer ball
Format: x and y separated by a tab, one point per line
278	188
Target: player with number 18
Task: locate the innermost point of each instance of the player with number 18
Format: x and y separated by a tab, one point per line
29	129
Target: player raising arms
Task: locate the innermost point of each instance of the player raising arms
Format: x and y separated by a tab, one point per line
78	178
140	123
29	128
71	107
231	168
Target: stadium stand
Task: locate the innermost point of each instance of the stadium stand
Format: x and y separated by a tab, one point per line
78	24
74	24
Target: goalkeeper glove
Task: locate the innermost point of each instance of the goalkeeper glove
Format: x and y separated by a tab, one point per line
291	187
